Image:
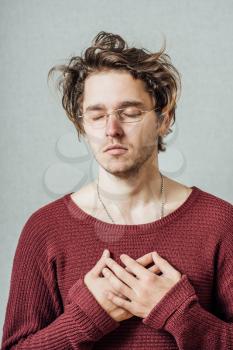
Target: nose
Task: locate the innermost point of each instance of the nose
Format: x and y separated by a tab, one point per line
113	126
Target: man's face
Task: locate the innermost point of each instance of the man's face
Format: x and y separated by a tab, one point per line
110	89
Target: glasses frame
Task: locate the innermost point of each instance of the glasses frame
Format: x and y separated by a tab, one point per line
115	111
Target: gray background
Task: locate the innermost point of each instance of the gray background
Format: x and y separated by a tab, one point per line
41	158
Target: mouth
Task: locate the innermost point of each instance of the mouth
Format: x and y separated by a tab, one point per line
116	151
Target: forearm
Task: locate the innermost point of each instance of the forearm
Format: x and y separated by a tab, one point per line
193	327
63	333
82	323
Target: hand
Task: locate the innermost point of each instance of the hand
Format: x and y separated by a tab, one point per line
143	291
98	286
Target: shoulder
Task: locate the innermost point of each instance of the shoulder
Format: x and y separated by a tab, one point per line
217	205
209	209
40	228
48	213
216	212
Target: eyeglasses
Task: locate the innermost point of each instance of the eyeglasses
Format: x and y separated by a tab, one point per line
130	114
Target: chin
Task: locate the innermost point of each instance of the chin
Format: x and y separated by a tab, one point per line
114	167
120	168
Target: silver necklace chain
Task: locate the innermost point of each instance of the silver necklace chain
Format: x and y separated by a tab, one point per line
162	198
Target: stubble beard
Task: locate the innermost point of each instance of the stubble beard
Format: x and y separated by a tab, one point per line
132	169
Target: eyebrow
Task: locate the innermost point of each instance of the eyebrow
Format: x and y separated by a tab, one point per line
122	104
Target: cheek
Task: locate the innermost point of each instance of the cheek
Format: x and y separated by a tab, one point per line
95	139
147	135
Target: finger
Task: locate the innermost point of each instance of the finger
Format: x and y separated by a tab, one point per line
96	270
125	304
146	260
143	260
113	290
136	268
153	269
120	295
166	268
117	285
121	273
117	293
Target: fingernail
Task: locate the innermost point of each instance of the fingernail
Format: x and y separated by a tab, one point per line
105	253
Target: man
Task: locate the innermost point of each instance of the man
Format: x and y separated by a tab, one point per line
164	279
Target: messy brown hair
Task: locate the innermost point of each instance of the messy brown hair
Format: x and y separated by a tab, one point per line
110	51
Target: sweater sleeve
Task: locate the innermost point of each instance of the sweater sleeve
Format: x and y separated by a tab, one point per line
35	315
193	327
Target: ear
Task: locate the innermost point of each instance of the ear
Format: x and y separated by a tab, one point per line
164	122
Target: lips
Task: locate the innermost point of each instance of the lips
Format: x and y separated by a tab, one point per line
116	151
117	146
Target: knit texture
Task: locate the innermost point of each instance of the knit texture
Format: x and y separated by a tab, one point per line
49	307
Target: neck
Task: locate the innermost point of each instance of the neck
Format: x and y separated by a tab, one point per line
134	192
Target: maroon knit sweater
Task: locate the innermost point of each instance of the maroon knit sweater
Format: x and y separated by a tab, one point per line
49	306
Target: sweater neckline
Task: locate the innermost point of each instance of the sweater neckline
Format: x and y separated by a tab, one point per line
79	214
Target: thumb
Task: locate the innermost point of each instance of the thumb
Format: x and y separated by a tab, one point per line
97	269
165	267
